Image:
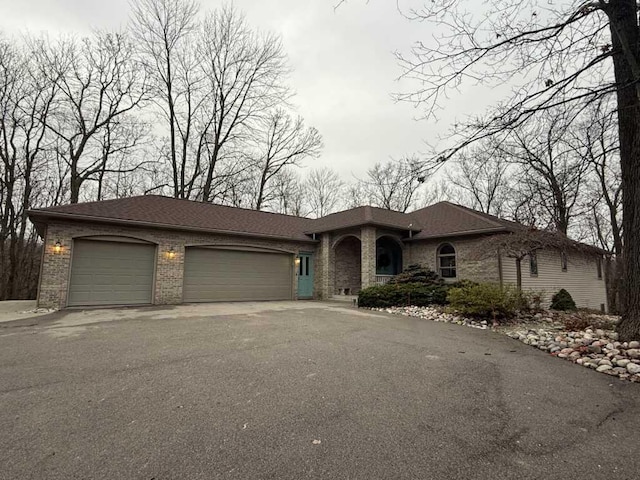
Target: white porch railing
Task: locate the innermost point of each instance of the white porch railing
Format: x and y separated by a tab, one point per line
382	279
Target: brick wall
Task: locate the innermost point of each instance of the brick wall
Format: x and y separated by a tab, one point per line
469	262
55	272
347	265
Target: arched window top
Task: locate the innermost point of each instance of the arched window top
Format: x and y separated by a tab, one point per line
447	249
447	261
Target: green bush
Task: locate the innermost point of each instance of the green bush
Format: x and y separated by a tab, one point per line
417	274
563	301
400	294
486	300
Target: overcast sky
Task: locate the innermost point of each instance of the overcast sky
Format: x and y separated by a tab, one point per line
344	69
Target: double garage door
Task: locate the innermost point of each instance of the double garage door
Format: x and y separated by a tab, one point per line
122	273
213	275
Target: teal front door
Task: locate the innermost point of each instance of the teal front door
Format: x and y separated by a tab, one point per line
305	275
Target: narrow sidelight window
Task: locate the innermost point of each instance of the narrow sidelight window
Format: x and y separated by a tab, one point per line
599	267
533	264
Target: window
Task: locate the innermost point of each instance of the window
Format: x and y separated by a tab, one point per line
447	261
599	267
563	261
533	264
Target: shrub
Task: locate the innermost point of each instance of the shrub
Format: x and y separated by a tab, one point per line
399	294
563	301
417	274
536	298
486	300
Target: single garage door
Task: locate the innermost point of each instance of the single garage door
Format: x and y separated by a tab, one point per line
213	275
111	273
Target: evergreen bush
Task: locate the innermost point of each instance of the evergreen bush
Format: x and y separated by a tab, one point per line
563	301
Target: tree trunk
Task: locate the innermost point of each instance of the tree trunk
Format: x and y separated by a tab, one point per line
612	282
76	183
263	182
626	47
519	274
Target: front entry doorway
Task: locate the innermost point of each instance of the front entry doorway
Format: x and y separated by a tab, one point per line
305	275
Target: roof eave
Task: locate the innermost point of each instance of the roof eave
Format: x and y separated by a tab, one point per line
40	216
463	233
362	224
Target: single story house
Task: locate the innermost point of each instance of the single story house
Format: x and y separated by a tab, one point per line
155	250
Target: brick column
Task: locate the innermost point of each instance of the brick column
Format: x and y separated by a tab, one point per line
169	273
368	256
327	260
54	271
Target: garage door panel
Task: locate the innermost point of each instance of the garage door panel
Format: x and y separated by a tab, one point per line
218	275
111	273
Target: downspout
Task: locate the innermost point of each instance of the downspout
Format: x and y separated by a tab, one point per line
500	278
42	258
410	262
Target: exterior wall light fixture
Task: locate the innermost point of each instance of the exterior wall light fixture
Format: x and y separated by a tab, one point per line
57	247
171	253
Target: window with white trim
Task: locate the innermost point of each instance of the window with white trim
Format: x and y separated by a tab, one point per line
447	261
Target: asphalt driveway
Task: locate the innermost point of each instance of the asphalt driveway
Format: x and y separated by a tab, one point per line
299	390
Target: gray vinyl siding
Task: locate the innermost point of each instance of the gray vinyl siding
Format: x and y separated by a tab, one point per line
111	273
580	279
214	275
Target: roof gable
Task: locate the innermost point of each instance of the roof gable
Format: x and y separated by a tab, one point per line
447	219
365	215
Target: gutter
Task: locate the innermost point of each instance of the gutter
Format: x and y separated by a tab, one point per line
458	234
361	224
35	215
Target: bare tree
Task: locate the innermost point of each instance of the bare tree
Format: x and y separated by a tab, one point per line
597	140
323	191
567	52
245	73
356	195
482	176
283	141
439	191
394	185
98	85
289	194
25	101
552	170
215	80
120	141
163	29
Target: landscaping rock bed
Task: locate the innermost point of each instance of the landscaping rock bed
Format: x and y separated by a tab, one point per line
596	347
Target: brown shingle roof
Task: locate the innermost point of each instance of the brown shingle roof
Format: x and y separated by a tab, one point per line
438	220
173	213
363	216
448	219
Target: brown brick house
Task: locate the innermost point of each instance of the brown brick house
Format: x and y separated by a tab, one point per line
159	250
